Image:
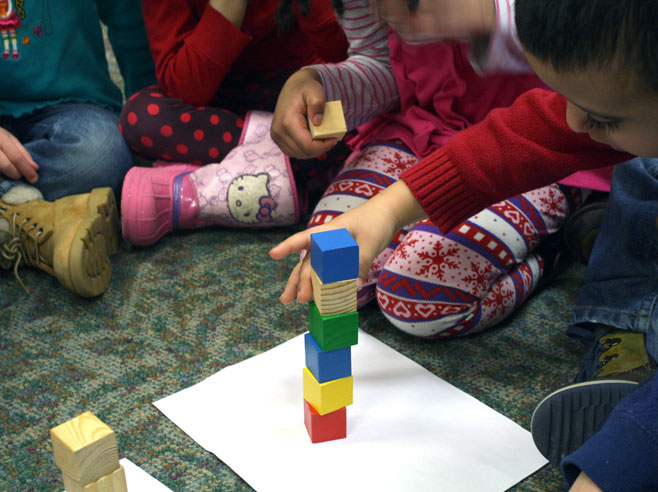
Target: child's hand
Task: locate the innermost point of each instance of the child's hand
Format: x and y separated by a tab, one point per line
15	160
301	95
434	20
373	225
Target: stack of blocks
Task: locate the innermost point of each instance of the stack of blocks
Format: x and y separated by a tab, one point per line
333	329
86	451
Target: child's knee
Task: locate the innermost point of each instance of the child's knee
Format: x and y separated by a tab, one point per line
428	319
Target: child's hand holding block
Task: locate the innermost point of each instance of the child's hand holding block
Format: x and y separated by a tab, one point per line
333	122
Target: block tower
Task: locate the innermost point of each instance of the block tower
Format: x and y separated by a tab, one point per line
333	329
86	452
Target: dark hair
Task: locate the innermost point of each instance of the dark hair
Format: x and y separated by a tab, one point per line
579	34
285	15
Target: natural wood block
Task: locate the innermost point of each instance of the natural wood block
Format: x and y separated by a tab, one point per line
330	396
333	122
325	427
85	448
335	297
112	482
335	331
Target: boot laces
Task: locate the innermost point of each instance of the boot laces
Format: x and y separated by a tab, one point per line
22	248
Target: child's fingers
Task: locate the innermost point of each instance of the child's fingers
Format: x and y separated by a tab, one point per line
289	293
295	243
304	285
314	99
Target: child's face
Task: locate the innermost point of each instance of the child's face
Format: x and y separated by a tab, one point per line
609	106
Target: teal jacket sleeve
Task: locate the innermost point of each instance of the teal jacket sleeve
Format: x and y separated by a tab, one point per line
127	35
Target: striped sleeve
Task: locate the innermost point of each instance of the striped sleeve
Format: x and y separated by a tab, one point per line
364	82
502	52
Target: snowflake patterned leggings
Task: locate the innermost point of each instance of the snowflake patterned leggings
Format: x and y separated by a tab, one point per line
438	285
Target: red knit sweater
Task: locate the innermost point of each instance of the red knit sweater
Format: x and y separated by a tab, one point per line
194	46
514	150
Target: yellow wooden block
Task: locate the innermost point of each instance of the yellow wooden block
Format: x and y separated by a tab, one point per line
333	122
330	396
112	482
334	297
85	448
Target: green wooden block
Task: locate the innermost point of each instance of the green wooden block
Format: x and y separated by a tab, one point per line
333	332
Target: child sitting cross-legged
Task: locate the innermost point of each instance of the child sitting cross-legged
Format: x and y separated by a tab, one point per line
600	58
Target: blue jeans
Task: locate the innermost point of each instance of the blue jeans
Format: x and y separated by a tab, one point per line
77	146
621	286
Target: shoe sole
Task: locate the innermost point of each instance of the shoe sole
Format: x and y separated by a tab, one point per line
89	265
103	202
568	417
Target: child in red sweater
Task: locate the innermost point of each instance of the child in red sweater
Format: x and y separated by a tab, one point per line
220	65
599	56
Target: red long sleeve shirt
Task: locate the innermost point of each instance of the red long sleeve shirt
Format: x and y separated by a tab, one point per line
514	150
195	47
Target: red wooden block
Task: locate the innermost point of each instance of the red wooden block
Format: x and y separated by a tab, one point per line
325	427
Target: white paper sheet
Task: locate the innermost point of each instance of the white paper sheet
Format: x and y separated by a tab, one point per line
407	430
137	480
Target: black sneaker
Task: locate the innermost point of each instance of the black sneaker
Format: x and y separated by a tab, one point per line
582	227
568	417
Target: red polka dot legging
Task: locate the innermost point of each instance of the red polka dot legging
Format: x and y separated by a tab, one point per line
160	127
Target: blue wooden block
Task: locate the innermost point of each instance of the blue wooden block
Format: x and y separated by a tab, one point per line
334	255
327	366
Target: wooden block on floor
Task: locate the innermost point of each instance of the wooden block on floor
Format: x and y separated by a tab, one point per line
85	448
335	297
327	366
328	427
333	122
333	332
334	255
112	482
330	396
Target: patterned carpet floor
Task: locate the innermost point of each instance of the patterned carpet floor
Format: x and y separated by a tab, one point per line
182	310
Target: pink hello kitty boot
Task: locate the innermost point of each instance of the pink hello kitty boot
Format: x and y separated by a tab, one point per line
252	187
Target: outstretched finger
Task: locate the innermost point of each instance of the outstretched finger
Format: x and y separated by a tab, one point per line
295	243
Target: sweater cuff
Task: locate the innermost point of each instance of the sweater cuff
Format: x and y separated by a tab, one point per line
621	456
217	38
441	192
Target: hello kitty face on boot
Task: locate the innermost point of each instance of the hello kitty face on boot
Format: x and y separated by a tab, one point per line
249	199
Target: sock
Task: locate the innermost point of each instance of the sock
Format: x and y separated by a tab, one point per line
21	193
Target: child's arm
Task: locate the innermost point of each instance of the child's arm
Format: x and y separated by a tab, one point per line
125	30
513	150
364	83
373	225
487	24
192	54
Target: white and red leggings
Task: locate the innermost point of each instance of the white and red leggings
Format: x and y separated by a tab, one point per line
438	285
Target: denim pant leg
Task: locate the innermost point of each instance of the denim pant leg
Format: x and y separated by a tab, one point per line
77	146
621	286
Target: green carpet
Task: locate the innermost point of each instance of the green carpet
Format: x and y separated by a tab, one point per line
182	310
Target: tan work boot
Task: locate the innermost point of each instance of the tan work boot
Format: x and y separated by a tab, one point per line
68	239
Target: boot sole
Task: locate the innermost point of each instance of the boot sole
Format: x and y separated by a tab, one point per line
568	417
102	201
89	268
